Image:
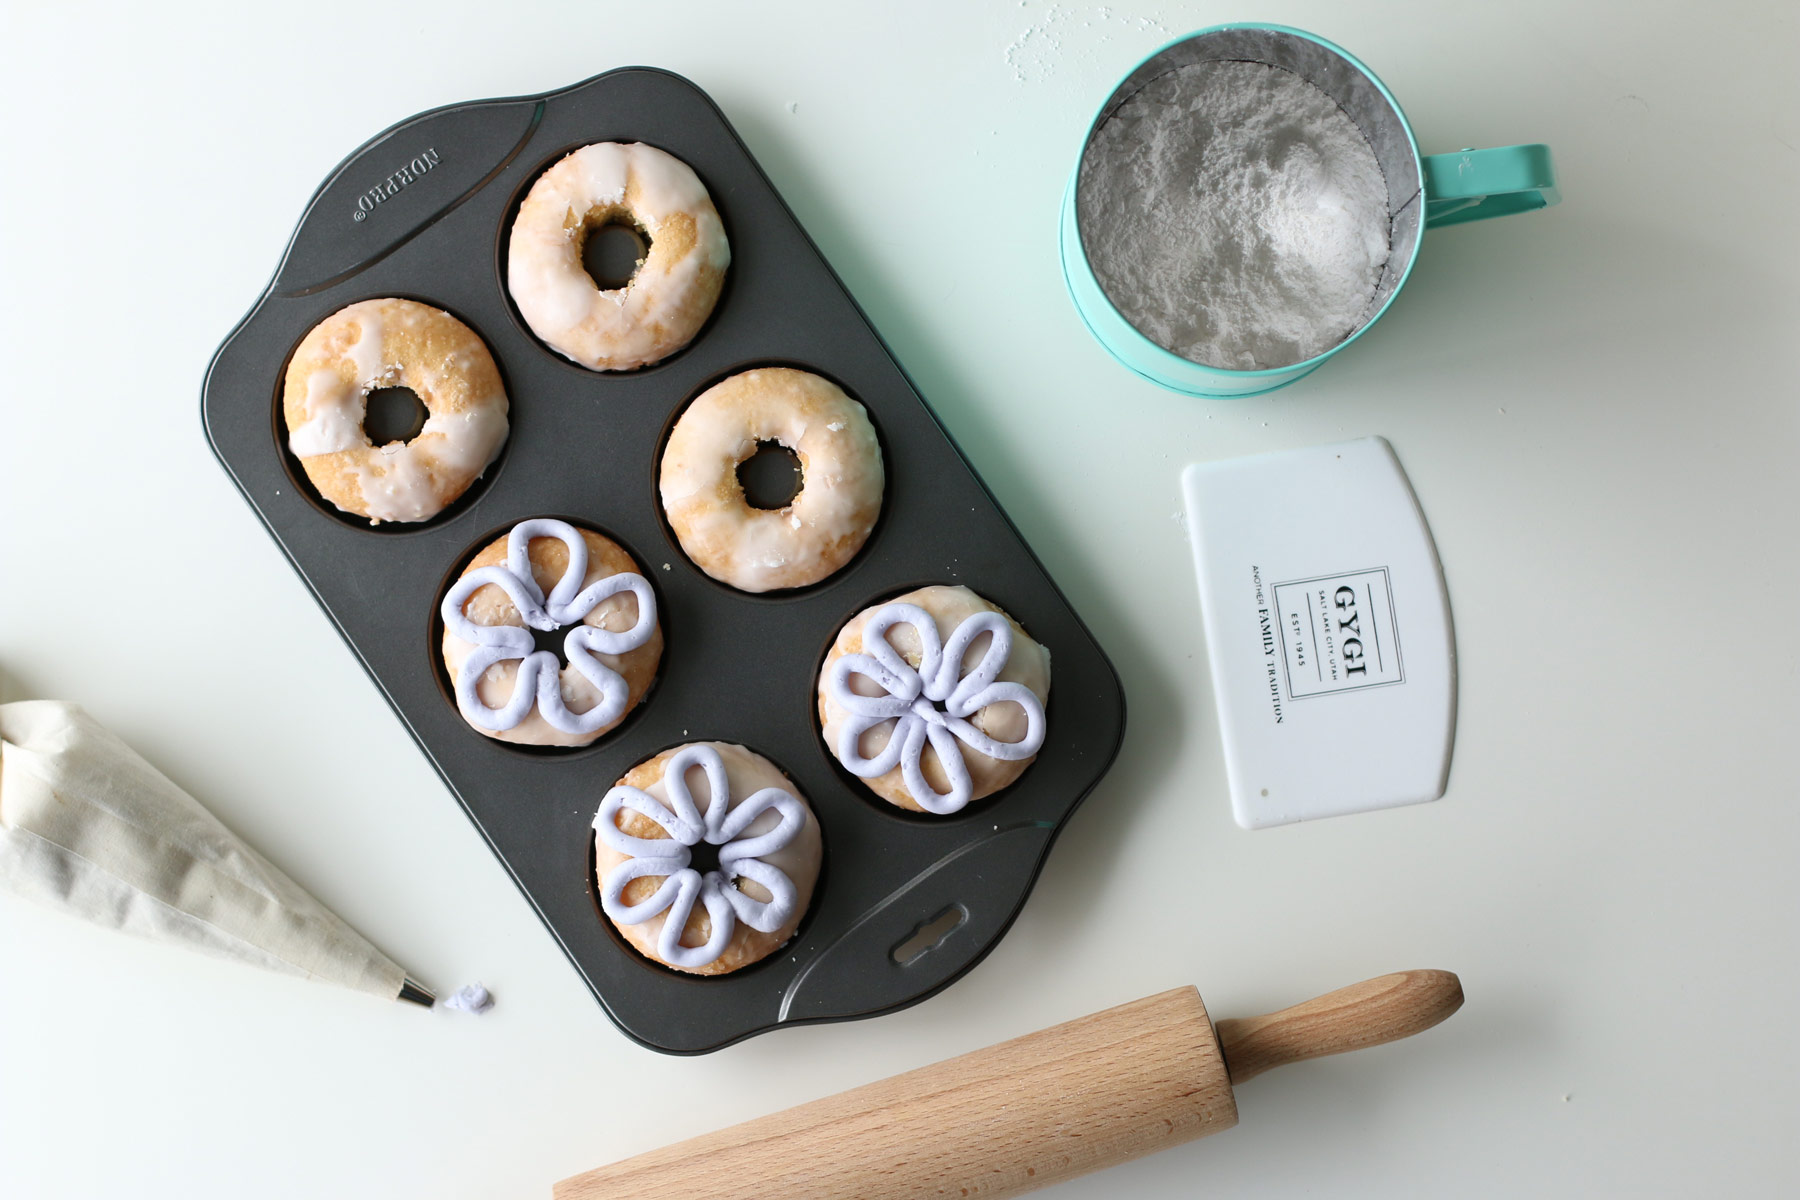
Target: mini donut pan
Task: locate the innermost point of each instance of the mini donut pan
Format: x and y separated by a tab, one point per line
422	211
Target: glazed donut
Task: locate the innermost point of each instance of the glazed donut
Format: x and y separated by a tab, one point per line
676	284
393	343
547	575
934	699
827	521
768	849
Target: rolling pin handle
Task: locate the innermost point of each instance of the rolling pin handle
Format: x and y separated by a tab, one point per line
1364	1014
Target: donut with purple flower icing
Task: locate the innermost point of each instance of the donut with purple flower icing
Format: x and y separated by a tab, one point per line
934	699
581	594
705	857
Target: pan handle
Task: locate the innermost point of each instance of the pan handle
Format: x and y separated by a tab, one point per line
969	896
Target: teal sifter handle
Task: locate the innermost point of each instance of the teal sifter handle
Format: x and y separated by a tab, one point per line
1473	185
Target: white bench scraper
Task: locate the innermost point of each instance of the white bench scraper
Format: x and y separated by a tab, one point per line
1328	626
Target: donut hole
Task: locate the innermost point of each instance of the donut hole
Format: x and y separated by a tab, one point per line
393	414
771	477
551	640
613	247
703	857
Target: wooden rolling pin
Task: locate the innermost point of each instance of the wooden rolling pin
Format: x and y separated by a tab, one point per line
1030	1112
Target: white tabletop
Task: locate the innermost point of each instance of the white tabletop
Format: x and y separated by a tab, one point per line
1596	405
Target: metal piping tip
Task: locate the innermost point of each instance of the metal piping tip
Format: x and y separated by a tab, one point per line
416	993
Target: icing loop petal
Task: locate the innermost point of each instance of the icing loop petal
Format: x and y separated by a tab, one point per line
993	661
518	558
539	679
1002	693
525	686
955	770
614	692
724	924
734	847
932	703
522	592
678	878
682	830
740	857
931	650
849	747
605	640
718	789
763	916
901	686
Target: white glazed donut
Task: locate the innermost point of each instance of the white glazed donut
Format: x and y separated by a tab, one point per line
934	699
393	343
548	575
676	285
827	521
768	846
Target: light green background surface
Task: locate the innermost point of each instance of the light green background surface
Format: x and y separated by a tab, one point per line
1596	404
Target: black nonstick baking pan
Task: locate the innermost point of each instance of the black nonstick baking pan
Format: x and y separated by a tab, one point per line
422	211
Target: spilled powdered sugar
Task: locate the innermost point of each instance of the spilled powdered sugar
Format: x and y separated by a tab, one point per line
1235	215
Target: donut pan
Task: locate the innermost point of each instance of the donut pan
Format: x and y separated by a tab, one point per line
421	211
